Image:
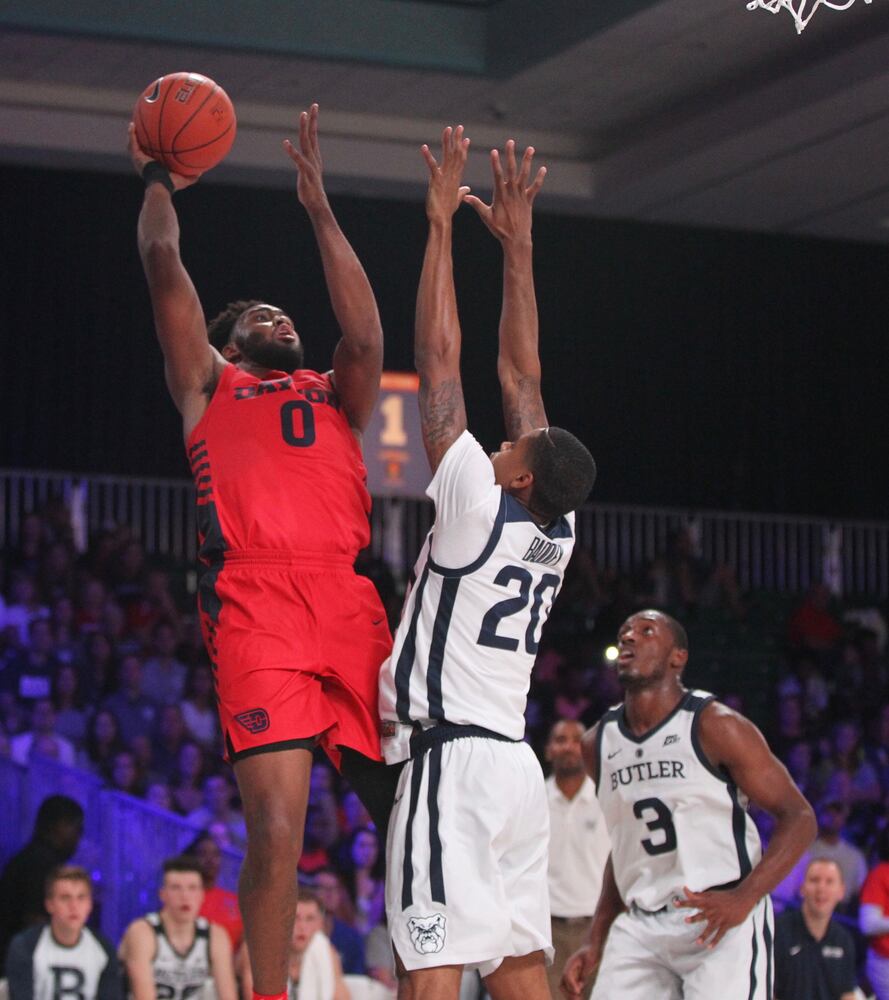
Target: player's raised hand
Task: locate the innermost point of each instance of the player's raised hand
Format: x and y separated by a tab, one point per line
509	214
140	159
718	909
579	968
309	181
445	190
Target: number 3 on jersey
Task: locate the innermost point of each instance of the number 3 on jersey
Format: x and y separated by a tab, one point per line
662	823
488	635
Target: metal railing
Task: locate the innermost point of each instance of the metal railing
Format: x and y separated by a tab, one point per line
767	551
125	840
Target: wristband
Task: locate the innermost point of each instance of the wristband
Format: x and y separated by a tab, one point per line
156	173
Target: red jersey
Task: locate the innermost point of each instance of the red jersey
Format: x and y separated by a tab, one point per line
876	892
277	463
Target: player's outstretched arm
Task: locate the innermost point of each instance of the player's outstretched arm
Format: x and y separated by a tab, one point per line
734	744
137	954
508	217
191	364
358	358
437	325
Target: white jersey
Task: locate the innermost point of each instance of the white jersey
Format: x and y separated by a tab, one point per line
179	976
673	818
40	968
482	590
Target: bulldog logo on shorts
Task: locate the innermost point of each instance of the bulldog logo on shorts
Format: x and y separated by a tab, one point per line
427	933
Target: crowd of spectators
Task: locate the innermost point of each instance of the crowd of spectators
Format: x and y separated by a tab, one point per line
102	667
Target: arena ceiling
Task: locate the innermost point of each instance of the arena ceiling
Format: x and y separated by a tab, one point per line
694	112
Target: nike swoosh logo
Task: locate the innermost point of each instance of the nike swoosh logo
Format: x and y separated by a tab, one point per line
796	949
377	621
616	752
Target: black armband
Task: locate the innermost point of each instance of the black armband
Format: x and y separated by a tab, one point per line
156	173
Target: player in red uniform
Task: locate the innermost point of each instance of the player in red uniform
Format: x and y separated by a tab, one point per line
295	637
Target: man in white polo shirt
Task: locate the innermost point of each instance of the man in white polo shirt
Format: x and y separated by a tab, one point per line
579	845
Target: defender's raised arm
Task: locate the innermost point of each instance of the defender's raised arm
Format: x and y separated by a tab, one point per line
437	325
508	217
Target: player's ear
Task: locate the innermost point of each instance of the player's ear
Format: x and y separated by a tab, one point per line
679	657
231	353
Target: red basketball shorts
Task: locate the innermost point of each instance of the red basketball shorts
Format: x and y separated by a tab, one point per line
296	642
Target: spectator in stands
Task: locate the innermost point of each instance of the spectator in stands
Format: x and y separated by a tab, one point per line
168	740
848	768
124	775
798	757
832	813
136	713
791	726
68	702
363	875
24	605
813	626
343	936
56	574
220	905
98	670
175	952
64	958
159	795
64	629
33	535
93	598
32	671
42	738
354	814
815	955
218	808
579	845
188	785
102	742
873	918
163	679
57	832
314	971
878	749
199	706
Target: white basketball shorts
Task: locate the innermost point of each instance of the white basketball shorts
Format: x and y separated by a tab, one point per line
655	955
467	856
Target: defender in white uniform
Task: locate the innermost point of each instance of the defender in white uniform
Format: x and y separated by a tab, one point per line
173	954
674	770
467	845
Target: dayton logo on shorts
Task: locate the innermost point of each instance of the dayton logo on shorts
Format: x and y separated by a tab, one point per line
427	933
254	721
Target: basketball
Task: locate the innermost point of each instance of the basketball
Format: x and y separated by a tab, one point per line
185	121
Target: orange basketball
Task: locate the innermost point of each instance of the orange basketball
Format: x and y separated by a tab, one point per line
185	121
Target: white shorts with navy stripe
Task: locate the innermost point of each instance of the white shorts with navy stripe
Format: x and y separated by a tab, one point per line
467	856
654	955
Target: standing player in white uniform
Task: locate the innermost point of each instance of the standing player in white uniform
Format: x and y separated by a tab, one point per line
674	770
173	954
467	845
